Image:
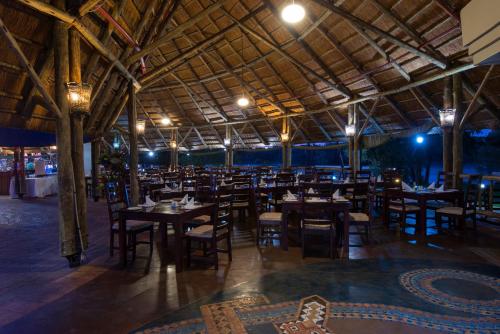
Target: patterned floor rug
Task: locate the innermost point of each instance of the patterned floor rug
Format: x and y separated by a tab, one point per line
447	300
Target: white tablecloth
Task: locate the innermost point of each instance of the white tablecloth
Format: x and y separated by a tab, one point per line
37	186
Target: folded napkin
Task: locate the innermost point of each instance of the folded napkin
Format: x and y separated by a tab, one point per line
222	184
440	188
262	183
336	195
347	180
167	188
379	178
290	196
316	199
190	204
184	200
431	186
149	202
406	187
310	191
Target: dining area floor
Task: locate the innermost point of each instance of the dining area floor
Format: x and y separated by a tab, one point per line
397	283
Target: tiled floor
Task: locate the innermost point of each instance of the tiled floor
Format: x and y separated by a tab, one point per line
38	293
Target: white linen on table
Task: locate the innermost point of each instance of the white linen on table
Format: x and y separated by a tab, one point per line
37	186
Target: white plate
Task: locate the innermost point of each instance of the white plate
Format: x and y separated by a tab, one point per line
166	201
134	208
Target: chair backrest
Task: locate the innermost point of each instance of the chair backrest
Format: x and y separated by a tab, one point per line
444	178
396	198
321	189
471	193
224	208
363	175
285	179
115	199
319	213
359	189
392	179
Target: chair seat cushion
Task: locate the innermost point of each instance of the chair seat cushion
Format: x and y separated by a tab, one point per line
133	225
454	211
358	197
204	219
205	231
358	217
437	204
237	205
316	224
270	217
408	208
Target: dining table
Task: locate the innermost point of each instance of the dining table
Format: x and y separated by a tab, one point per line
422	197
165	214
340	206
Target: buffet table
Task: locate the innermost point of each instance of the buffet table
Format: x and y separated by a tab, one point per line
37	186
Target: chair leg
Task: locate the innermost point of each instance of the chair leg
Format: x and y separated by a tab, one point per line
188	251
151	241
258	233
111	243
134	245
229	248
303	245
214	250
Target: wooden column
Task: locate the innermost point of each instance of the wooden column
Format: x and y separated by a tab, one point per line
67	228
134	154
447	132
457	131
95	149
75	75
174	150
229	148
286	145
355	140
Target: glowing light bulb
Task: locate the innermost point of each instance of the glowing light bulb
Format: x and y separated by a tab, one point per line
293	13
166	121
420	139
151	153
243	101
74	96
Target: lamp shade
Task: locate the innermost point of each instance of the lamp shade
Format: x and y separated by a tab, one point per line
173	144
285	137
227	141
447	117
293	13
350	130
141	127
79	97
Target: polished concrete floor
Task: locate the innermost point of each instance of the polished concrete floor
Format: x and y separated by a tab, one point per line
38	293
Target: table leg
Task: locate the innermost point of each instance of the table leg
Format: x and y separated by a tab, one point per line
122	240
345	242
284	231
385	210
423	217
178	227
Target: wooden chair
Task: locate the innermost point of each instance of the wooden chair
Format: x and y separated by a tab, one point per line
358	195
363	176
489	206
321	189
318	219
268	224
189	185
444	178
242	195
457	215
398	205
115	201
366	219
218	229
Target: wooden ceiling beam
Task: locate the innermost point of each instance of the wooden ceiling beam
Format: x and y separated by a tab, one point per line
367	26
31	71
176	32
152	123
87	6
427	110
84	31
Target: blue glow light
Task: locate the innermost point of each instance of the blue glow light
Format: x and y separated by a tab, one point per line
334	177
483	186
419	139
116	145
188	154
151	153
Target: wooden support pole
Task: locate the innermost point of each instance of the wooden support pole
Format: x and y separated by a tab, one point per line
447	133
95	149
75	75
355	140
350	153
67	227
229	148
457	131
174	150
134	154
286	145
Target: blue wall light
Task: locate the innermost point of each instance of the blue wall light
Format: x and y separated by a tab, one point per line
419	139
151	153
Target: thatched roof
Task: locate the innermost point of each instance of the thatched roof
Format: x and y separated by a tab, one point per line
200	55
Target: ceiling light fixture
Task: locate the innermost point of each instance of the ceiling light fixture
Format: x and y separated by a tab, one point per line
166	121
243	101
293	13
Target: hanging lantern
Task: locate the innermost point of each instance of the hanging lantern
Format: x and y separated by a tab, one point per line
173	144
350	130
166	121
141	127
293	13
79	97
447	117
227	141
285	137
243	101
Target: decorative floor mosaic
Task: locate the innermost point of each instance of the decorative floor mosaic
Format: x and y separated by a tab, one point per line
449	289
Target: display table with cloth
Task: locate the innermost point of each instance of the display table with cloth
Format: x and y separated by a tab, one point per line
37	186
